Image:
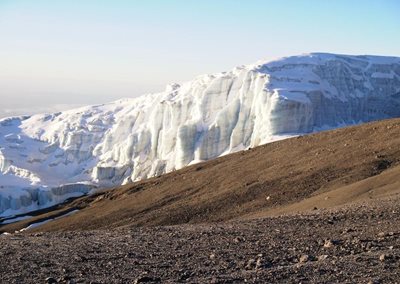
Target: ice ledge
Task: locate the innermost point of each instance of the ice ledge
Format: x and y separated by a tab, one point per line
23	200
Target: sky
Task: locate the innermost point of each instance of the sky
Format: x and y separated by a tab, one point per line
56	55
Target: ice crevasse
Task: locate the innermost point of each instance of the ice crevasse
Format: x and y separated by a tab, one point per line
47	158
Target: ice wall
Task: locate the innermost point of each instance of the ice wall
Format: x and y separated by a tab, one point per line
208	117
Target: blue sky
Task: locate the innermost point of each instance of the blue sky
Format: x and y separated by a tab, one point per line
59	54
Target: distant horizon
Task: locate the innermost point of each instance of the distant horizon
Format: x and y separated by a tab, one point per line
95	52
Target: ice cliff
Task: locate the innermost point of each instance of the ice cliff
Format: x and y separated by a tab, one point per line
47	158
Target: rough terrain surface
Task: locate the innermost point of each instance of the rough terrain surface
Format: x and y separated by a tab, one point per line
351	244
322	208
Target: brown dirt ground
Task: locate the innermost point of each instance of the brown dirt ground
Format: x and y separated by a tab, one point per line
354	244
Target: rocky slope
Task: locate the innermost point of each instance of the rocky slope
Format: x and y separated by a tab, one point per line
357	244
45	159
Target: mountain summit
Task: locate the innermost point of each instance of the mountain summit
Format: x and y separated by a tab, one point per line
45	159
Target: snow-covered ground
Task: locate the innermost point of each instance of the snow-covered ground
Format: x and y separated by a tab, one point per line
47	158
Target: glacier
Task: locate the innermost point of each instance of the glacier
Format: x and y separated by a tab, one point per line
48	158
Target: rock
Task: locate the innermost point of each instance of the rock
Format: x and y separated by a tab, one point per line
330	243
238	240
322	257
212	256
51	280
185	275
259	263
382	257
250	264
304	258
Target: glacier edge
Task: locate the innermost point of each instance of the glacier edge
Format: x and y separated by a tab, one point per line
213	115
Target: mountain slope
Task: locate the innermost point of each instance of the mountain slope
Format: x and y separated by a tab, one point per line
346	165
45	159
385	184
